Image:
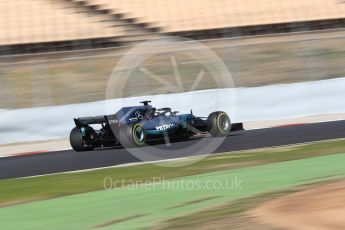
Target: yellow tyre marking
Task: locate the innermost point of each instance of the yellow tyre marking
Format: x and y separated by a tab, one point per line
133	135
218	121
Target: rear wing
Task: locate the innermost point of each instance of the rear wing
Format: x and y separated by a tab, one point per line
84	121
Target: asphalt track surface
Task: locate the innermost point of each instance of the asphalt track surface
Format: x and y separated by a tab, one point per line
69	160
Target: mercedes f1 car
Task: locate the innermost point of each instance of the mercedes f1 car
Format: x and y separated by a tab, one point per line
138	125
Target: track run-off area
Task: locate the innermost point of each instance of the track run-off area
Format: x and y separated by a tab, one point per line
79	201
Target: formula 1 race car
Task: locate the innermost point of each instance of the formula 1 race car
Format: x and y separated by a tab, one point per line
138	125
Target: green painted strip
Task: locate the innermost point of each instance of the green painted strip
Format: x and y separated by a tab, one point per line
132	209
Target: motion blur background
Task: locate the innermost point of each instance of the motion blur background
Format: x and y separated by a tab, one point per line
56	52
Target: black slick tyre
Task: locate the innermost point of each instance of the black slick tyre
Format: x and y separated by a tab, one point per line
76	141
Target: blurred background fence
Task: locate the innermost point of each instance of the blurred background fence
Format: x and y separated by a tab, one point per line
48	25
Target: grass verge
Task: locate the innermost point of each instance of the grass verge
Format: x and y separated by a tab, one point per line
147	205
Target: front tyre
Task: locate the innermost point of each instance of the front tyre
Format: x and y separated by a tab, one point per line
77	142
132	136
218	124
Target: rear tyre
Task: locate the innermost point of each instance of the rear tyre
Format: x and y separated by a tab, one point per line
76	141
132	136
218	124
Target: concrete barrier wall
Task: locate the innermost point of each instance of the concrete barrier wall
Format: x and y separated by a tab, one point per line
243	104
